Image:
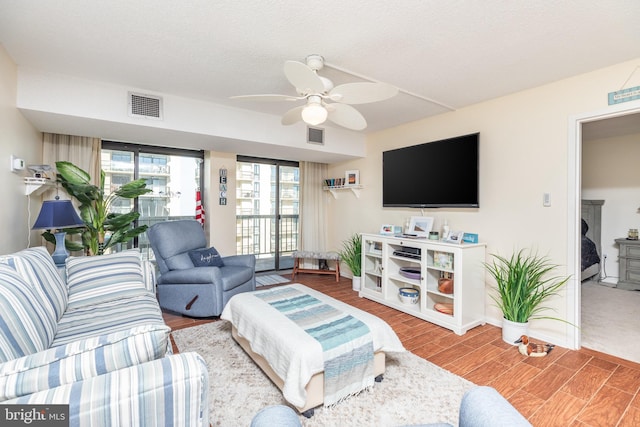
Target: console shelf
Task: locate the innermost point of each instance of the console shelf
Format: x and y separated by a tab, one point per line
459	311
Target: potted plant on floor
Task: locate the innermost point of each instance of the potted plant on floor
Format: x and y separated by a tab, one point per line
351	254
103	228
523	285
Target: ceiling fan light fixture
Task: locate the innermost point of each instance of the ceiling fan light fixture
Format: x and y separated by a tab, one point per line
314	113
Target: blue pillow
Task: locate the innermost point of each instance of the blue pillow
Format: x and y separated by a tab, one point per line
206	258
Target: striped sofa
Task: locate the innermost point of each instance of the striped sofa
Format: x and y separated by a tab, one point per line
93	337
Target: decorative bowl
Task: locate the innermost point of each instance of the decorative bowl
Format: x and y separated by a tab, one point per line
445	285
410	272
409	295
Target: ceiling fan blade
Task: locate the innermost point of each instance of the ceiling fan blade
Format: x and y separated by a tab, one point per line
292	116
346	116
303	78
362	92
268	97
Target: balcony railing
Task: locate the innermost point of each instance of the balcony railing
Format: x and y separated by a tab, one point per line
256	234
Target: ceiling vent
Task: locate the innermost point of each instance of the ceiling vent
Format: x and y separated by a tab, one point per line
315	136
147	106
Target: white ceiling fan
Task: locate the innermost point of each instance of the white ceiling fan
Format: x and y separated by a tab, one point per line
323	100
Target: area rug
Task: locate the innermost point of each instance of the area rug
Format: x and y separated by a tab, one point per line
607	320
413	391
271	279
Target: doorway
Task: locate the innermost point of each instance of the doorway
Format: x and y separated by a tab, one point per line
267	211
574	212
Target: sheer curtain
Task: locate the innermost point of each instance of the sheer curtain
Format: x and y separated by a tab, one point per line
313	224
82	151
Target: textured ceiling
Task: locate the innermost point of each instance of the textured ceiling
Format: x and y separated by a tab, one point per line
456	53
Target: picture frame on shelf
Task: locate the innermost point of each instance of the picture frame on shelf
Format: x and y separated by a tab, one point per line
454	237
420	226
352	177
386	229
375	248
443	260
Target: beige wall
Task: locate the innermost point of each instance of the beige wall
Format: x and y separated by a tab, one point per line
221	219
610	172
523	154
19	138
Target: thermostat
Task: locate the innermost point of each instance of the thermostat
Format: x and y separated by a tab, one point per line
17	164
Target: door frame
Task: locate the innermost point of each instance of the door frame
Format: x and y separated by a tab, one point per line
574	195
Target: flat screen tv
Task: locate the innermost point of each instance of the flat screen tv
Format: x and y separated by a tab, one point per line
435	174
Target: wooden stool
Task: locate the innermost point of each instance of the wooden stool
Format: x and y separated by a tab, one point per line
329	256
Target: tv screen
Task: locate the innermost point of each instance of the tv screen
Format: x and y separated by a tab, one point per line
432	175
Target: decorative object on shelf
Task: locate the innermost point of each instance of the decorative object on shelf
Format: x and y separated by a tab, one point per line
410	272
102	227
445	229
351	254
454	237
445	284
420	226
523	285
223	186
444	308
352	177
443	260
40	171
409	295
434	235
470	238
633	234
57	215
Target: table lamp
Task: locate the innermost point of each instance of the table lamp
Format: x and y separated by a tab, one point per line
56	215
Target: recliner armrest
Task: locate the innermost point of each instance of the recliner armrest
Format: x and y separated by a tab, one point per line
240	260
193	275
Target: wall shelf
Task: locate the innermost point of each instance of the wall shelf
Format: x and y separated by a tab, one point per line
337	188
37	185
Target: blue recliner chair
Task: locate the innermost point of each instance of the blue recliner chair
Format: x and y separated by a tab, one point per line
196	291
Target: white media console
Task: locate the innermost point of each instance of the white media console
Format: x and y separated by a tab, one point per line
423	263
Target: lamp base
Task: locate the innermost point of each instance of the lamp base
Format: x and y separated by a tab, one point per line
61	254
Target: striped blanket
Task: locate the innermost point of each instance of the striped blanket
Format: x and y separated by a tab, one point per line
346	342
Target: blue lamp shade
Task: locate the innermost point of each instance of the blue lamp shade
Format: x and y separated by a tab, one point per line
56	215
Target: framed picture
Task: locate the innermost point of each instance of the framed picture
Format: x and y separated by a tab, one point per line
454	237
352	178
375	248
386	229
420	225
443	260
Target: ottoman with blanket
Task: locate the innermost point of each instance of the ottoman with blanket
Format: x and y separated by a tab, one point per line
316	349
95	341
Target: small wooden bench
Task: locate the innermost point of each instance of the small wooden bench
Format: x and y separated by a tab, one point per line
320	256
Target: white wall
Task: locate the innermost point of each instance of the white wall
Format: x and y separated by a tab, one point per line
19	138
523	154
610	172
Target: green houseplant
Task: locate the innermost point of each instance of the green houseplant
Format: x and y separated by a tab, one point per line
103	229
523	285
351	254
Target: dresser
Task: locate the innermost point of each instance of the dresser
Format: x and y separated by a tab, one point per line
629	260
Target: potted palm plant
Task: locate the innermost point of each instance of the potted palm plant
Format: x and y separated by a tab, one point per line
351	254
523	286
103	228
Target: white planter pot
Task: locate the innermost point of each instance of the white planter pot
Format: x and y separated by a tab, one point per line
355	283
512	331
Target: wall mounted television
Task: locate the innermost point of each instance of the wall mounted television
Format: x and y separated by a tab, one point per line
436	174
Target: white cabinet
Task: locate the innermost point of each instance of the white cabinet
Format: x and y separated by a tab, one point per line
390	263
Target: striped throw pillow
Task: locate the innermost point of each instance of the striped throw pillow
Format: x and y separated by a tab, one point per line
94	280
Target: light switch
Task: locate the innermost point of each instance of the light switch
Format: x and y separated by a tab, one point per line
546	199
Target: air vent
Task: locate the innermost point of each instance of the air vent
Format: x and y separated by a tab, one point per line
315	136
147	106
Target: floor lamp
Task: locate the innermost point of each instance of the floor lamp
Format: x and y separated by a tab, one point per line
57	215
